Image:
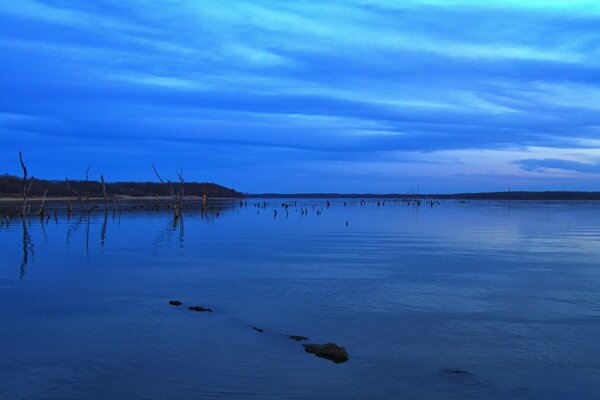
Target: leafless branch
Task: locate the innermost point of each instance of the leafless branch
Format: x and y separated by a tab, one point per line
26	187
104	192
157	174
180	192
174	196
86	191
41	211
75	192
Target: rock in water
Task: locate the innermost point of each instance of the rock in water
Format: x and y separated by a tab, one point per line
175	303
329	351
199	309
455	371
297	338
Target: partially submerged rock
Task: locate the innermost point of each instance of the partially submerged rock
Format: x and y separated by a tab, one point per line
297	338
199	309
455	371
175	303
329	351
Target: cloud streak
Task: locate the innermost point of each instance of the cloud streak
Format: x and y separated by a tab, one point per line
294	85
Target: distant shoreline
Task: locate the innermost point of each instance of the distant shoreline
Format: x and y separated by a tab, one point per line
100	200
512	196
490	196
12	187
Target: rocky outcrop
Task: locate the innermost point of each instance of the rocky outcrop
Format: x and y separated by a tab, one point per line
329	351
199	309
297	338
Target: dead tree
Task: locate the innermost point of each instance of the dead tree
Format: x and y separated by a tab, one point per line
86	191
26	186
180	191
75	192
42	205
87	201
104	193
176	196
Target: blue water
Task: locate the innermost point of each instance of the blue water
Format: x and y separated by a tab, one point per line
508	293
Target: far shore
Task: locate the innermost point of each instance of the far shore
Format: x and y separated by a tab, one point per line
16	199
489	196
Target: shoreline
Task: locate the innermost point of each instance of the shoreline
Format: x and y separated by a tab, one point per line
491	196
503	196
14	199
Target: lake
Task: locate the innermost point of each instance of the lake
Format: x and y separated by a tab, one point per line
462	300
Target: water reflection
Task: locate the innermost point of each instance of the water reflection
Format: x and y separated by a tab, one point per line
27	247
103	229
72	228
43	224
87	217
87	236
450	302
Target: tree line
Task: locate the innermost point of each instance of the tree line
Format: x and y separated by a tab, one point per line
11	185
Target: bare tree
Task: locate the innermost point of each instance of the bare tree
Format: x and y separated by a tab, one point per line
180	192
26	186
75	192
176	196
86	191
104	193
42	205
87	200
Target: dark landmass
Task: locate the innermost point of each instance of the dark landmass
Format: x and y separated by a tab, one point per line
12	186
513	196
548	195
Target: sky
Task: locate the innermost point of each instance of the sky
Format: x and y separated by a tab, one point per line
428	96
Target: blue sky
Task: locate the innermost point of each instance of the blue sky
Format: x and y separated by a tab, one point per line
301	96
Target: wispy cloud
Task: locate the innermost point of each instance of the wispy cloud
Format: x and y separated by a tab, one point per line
365	85
559	164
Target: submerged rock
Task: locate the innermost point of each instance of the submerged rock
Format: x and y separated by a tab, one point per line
175	303
199	309
297	338
455	371
258	329
329	351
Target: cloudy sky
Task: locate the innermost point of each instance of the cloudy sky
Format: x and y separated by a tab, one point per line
299	96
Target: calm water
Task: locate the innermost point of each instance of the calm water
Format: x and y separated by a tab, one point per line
509	293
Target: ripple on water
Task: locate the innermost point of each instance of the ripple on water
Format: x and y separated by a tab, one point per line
506	293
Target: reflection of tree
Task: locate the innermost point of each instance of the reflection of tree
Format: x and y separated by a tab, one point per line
181	230
43	227
27	247
87	237
74	227
173	228
103	230
163	235
178	222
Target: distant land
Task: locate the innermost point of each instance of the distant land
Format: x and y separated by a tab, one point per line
516	196
12	186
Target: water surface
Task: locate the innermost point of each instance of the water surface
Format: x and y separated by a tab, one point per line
509	293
